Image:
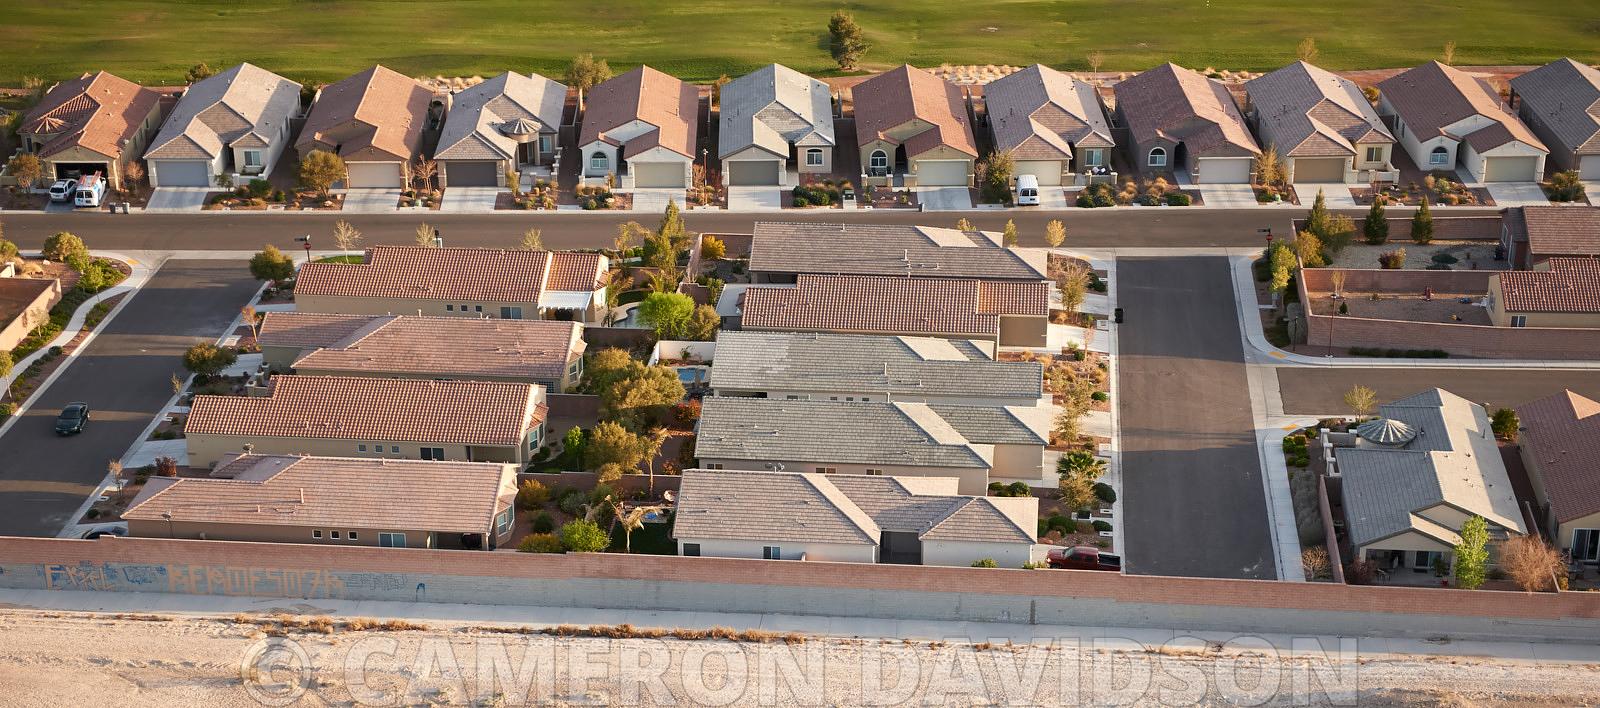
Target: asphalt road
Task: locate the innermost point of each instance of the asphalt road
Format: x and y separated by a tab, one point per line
125	376
1320	391
1193	503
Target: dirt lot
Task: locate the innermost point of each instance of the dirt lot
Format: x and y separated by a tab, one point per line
1444	307
1469	255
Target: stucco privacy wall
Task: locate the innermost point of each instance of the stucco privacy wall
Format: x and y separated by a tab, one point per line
606	581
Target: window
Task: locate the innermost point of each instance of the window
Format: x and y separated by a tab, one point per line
1424	560
772	553
833	398
433	453
1374	154
1519	321
449	308
392	540
547	144
502	521
872	471
1586	545
1158	157
598	162
463	307
1439	156
827	470
1094	157
691	549
333	535
394	448
252	159
713	465
533	439
813	157
510	313
361	448
352	536
477	308
316	533
878	164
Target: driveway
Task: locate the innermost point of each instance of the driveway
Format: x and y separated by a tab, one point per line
125	376
371	201
467	199
755	198
944	198
1336	195
1516	194
177	199
655	200
1227	196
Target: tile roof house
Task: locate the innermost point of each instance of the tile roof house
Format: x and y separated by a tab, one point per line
781	250
1180	120
1565	295
374	120
509	122
338	501
975	443
1007	313
1559	440
913	129
544	352
1560	101
94	123
769	117
458	282
1413	475
347	416
1532	236
237	122
1050	122
849	518
842	367
643	127
1324	129
1446	118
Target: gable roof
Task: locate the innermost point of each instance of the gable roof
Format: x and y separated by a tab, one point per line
885	249
1571	285
358	408
477	274
449	347
1312	112
883	304
376	114
1565	94
1433	96
1561	433
1559	230
771	108
761	430
245	101
473	130
898	96
1039	113
644	94
99	112
308	330
1180	105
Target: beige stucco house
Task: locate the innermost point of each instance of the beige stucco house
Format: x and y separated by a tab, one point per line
913	130
1005	313
374	121
642	127
237	123
1559	440
1179	120
1053	125
1560	101
1564	294
1446	118
1324	129
771	121
96	123
506	124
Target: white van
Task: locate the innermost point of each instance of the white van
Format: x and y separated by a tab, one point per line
91	191
1027	190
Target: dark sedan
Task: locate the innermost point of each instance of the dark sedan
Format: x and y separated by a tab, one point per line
72	419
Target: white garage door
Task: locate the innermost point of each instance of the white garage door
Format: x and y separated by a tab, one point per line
1589	168
474	173
182	173
371	175
1324	169
753	172
941	173
657	174
1225	171
1509	169
1048	171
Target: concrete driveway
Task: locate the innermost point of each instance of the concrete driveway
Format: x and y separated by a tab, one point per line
371	201
655	200
469	199
177	199
755	198
1227	196
1516	194
1336	195
944	198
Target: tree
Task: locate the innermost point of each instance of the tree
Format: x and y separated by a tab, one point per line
703	324
672	227
1095	58
1010	238
207	359
1314	562
514	181
1472	553
1376	226
27	168
658	251
631	520
845	41
5	363
198	72
608	473
1422	224
1309	248
533	240
1448	56
666	313
1339	277
319	169
1505	424
997	174
583	536
271	264
1319	222
1307	51
425	235
1076	493
962	224
1531	563
423	172
628	234
1081	463
251	319
610	443
572	446
64	246
1072	284
346	236
133	175
1269	166
585	72
1055	233
713	248
644	398
1361	400
1281	266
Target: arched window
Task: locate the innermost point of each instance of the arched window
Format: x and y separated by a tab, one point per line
878	164
1158	157
1439	156
599	162
813	157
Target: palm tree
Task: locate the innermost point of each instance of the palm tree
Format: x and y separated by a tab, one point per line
652	448
614	290
631	519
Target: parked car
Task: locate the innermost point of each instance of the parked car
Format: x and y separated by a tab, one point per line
99	530
72	419
64	190
1083	558
1027	190
91	191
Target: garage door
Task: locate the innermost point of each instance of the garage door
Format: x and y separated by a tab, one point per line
1589	168
657	174
66	170
1225	171
753	172
1319	170
941	173
370	175
182	173
1048	171
1509	169
477	173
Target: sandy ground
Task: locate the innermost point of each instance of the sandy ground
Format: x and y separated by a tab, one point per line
1418	256
55	658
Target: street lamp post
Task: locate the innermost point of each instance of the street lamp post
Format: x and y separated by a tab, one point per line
306	241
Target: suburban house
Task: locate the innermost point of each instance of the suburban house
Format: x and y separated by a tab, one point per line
341	501
1009	314
506	124
96	123
1560	447
642	127
780	251
1565	294
1531	236
350	416
1051	123
458	282
235	123
849	518
1323	127
1560	101
374	120
1446	118
912	130
1413	475
544	352
24	304
846	367
977	444
1180	121
773	120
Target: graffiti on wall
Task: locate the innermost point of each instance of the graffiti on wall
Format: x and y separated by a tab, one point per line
195	579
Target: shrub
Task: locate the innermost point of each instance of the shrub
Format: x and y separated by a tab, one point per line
540	543
271	264
542	523
1565	186
1146	200
63	246
532	494
712	248
1105	493
1444	258
1505	424
1019	489
571	501
801	202
260	188
1179	199
985	563
581	536
1100	396
7	410
165	467
1101	525
1393	260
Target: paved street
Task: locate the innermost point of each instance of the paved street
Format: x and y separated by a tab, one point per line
1192	494
125	376
1320	391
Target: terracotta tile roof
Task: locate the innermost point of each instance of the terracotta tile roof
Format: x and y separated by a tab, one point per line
308	330
354	408
378	114
449	347
850	303
1180	105
1041	114
336	492
99	112
1433	96
1312	112
1561	434
477	274
1562	231
885	249
899	96
1571	285
244	104
663	101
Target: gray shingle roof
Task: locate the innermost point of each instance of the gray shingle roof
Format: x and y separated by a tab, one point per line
1041	114
472	130
1309	111
1566	96
243	101
991	425
884	249
896	366
763	430
773	107
1433	96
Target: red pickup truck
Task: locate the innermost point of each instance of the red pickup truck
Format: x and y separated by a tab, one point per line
1083	558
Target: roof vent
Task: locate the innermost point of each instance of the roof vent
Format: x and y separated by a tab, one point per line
1386	431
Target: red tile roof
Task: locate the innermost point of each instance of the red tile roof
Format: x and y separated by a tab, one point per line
846	303
1562	230
376	114
477	274
1561	434
899	96
1571	285
99	112
453	347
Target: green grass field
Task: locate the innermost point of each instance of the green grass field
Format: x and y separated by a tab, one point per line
151	41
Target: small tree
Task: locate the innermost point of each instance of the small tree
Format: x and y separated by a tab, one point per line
1319	221
251	319
27	168
1531	563
1269	166
1307	50
533	240
272	265
585	72
672	227
1096	59
1472	553
198	72
666	313
514	181
133	176
1338	279
628	234
583	536
1314	562
1010	239
713	248
1376	226
346	236
997	174
964	224
1055	233
1448	56
1076	493
320	169
610	443
425	235
64	246
845	41
1361	400
423	172
1281	266
1422	224
1072	284
716	90
631	519
1309	247
1505	424
207	359
5	363
703	324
